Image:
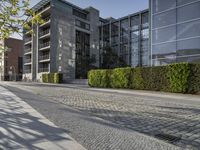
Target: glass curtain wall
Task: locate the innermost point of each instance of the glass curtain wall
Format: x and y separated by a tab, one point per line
124	38
175	31
82	54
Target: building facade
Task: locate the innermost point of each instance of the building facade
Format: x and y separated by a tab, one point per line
11	60
175	31
63	43
168	32
128	37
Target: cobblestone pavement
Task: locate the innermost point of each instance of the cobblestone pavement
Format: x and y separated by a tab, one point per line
149	116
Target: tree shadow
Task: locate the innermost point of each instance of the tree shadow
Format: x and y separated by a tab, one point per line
21	129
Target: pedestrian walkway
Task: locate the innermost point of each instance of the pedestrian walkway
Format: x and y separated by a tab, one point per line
22	127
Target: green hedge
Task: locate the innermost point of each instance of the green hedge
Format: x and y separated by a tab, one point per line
178	78
52	78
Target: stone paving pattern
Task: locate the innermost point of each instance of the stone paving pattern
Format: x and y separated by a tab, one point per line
149	116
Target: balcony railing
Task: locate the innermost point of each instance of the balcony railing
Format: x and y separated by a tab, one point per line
27	50
44	57
27	60
28	39
43	69
47	19
46	44
45	32
27	71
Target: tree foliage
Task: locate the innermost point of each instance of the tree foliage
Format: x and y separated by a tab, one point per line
111	59
15	15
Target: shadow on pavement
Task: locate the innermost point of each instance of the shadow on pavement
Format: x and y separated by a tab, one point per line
20	129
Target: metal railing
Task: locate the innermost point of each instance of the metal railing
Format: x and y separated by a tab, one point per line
27	71
27	50
43	69
46	44
44	57
45	32
28	39
27	60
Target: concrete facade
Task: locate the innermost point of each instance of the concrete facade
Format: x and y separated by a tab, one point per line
59	43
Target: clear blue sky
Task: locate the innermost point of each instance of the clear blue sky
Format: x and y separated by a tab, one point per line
110	8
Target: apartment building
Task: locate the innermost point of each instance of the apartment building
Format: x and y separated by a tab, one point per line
167	32
11	60
67	38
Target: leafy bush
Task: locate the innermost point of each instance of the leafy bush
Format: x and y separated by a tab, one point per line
137	81
194	79
52	78
99	78
120	77
178	75
178	78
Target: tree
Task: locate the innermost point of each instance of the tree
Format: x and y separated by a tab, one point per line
15	15
84	64
111	59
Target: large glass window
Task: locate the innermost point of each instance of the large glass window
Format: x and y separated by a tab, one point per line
145	20
188	12
164	19
162	5
187	30
106	35
188	47
115	33
135	22
164	34
164	50
183	2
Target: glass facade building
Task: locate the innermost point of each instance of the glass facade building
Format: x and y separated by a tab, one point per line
128	37
175	31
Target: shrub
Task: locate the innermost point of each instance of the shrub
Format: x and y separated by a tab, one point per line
194	78
136	79
99	78
52	78
120	77
178	75
179	78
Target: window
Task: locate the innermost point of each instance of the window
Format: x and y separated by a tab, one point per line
187	30
183	2
135	22
82	24
162	5
164	19
79	14
188	12
188	47
164	34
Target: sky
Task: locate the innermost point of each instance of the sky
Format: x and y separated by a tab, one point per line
110	8
107	8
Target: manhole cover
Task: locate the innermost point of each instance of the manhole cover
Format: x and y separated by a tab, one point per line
167	137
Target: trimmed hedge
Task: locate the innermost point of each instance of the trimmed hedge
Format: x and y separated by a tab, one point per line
177	78
52	78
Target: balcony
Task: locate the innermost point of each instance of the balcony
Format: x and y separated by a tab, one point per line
27	51
45	69
27	40
44	58
27	70
46	21
44	46
44	34
27	61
